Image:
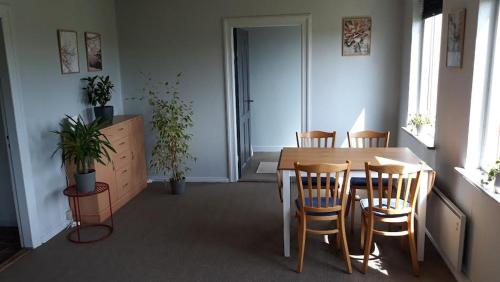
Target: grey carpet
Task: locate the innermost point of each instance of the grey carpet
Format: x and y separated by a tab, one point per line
250	174
214	232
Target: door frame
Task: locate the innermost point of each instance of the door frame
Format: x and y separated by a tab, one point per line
229	24
14	119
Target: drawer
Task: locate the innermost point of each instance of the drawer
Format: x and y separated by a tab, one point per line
121	145
123	183
122	160
116	131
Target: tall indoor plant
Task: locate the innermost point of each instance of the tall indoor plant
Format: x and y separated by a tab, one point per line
172	117
82	145
98	90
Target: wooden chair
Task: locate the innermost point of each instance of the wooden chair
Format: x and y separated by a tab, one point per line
322	203
395	205
363	139
319	139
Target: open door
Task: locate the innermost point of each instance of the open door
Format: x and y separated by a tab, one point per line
242	98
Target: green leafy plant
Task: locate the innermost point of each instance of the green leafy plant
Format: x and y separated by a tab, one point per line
419	120
492	173
82	144
172	117
98	89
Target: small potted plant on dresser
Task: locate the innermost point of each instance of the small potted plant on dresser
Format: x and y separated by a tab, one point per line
98	90
172	118
418	121
493	175
82	145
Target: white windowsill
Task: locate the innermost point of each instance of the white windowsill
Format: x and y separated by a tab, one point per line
474	176
426	140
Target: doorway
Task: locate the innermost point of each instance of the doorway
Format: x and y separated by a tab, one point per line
268	98
10	242
241	146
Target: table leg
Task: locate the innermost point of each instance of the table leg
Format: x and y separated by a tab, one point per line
286	213
426	186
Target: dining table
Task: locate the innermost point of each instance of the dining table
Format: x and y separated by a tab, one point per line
358	157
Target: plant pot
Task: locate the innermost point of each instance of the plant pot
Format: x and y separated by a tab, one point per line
85	182
106	113
178	187
419	129
497	184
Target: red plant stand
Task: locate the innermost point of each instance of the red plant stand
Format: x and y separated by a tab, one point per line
72	193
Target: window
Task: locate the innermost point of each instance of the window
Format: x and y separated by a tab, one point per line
429	69
425	68
491	136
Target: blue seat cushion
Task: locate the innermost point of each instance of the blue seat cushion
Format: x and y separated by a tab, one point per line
315	204
361	181
314	181
364	206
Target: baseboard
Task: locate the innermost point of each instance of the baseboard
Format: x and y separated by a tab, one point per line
458	275
267	148
193	179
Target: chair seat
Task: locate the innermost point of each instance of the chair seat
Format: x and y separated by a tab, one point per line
315	204
361	181
315	182
364	206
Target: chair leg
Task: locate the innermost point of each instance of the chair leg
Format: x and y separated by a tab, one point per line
413	248
353	208
345	247
338	235
302	244
368	242
362	230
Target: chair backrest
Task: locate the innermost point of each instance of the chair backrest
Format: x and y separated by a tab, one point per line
320	139
367	139
403	194
323	198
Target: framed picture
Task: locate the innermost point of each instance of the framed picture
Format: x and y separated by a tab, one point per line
94	53
356	36
68	51
456	34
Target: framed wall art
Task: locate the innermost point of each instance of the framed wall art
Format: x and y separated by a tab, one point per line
356	36
68	51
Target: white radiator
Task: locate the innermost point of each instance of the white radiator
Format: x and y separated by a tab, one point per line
446	229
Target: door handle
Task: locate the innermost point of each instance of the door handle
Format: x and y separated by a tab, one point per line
249	101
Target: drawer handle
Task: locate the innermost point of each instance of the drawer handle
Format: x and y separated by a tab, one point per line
125	171
123	157
122	143
125	185
121	129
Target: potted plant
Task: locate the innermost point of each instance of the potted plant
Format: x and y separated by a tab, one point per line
172	117
418	121
98	90
493	174
82	145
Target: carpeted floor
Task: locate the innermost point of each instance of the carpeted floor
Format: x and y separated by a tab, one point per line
250	172
214	232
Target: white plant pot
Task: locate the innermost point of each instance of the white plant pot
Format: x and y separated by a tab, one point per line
419	129
497	184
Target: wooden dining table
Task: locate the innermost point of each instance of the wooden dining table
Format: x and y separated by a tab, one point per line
358	157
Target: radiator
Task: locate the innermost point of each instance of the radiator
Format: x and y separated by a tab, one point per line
446	229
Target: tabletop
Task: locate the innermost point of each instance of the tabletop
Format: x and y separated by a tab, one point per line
357	156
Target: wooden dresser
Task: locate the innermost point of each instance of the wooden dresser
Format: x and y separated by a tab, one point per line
125	174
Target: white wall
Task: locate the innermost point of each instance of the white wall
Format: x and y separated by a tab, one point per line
7	208
173	36
275	83
452	124
48	95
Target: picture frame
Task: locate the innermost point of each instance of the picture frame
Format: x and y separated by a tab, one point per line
93	47
455	39
356	36
68	51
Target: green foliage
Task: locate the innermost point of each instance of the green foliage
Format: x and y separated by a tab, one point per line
98	89
492	173
82	144
419	119
172	117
